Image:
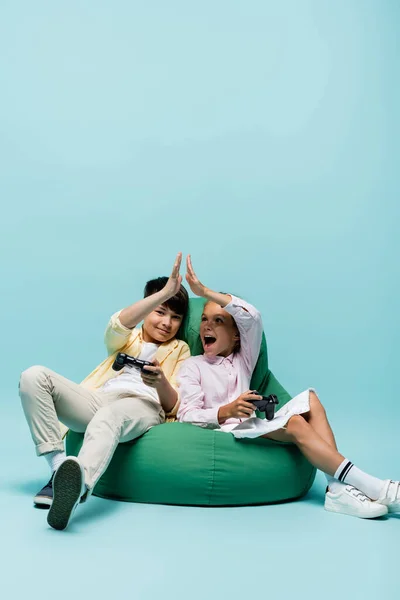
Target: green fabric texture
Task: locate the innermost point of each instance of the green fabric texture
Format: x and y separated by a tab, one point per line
178	463
183	464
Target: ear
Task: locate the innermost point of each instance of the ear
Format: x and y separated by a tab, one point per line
236	337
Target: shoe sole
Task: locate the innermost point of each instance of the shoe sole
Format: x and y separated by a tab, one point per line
67	485
380	511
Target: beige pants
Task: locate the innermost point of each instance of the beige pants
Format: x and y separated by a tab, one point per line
107	418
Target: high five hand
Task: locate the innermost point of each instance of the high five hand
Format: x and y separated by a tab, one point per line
195	285
175	279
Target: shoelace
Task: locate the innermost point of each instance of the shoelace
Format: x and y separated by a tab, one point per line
356	493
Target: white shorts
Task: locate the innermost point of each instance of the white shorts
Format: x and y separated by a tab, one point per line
255	427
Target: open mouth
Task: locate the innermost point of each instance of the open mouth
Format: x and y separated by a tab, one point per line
209	340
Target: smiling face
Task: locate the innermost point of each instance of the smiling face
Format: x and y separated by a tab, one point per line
161	325
218	331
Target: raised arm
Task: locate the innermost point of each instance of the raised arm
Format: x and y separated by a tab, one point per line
134	314
249	322
247	317
120	325
201	290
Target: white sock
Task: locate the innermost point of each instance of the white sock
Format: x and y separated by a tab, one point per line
334	486
55	459
350	474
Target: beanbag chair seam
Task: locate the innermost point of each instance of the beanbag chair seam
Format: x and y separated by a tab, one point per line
212	479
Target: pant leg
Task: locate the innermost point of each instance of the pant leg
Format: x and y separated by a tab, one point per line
123	419
47	398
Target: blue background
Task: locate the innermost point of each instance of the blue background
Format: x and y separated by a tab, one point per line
263	138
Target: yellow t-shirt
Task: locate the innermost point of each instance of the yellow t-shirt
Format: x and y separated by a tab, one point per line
119	338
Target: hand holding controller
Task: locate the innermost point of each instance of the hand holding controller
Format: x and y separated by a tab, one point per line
267	404
124	359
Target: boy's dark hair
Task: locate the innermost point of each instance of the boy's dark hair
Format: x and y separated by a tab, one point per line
178	303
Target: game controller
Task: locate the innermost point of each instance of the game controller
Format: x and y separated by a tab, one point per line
124	359
267	404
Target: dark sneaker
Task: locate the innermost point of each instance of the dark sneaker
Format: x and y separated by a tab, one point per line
68	484
44	498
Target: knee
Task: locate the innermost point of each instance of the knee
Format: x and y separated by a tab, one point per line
296	426
30	377
106	419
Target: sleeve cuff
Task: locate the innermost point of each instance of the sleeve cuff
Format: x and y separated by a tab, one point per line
174	411
208	417
235	303
117	326
213	416
236	306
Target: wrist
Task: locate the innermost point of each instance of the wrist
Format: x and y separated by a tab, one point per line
162	383
163	295
221	299
223	414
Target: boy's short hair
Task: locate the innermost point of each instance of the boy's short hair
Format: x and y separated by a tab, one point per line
178	303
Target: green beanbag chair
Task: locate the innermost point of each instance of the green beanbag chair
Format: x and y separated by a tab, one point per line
183	464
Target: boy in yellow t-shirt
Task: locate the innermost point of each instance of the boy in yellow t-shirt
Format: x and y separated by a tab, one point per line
109	406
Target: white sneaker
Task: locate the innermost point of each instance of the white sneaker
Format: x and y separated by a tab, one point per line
350	501
68	486
390	495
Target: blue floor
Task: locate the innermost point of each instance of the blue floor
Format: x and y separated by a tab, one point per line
115	549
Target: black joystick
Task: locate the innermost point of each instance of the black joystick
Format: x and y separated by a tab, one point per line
267	404
124	359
